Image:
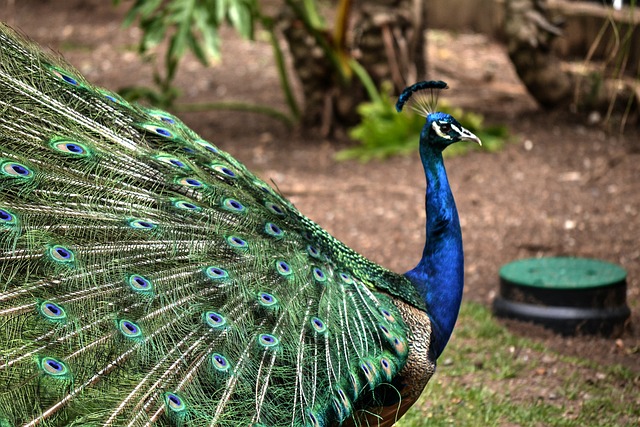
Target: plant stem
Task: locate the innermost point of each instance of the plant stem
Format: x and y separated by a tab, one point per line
312	13
235	106
320	37
282	71
341	25
366	80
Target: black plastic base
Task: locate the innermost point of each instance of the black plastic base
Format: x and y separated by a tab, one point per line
566	320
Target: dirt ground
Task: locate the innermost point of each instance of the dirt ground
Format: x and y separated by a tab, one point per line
564	187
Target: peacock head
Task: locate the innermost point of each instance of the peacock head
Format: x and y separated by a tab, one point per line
440	129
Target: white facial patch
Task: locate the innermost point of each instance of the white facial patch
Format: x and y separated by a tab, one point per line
436	127
457	129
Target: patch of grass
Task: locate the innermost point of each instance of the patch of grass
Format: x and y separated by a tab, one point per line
488	376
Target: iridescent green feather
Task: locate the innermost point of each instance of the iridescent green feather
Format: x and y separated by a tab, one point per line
148	277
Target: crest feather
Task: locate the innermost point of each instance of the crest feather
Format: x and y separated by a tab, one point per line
422	97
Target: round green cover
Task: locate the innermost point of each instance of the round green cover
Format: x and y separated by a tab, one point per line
562	273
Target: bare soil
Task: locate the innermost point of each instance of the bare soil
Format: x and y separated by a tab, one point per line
564	187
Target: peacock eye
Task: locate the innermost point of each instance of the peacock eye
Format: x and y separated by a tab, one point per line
445	127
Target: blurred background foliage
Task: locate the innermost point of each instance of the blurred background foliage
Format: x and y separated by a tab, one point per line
347	58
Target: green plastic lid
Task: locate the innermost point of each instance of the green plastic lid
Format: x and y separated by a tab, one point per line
562	273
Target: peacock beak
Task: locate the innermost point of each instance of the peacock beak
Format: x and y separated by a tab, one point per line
465	135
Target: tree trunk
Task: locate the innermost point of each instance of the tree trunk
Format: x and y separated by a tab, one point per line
390	38
311	66
530	30
530	34
387	39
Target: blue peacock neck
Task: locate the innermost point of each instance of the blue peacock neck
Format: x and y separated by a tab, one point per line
439	276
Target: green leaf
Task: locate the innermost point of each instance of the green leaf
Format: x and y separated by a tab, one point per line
198	50
142	9
221	10
154	31
240	17
211	40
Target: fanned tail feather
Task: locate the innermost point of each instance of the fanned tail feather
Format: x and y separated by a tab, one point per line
147	278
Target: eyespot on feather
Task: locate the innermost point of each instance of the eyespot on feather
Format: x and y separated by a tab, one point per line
318	325
267	300
61	254
220	363
273	230
319	275
53	367
158	130
224	170
15	170
387	314
214	319
268	340
129	329
140	284
70	147
191	182
283	268
232	205
276	209
206	145
216	273
64	76
142	224
186	205
237	242
7	218
346	278
52	311
313	252
172	161
162	116
174	402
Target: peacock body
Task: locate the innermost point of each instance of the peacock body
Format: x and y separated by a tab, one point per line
148	278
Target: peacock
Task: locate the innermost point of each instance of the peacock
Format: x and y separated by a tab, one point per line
147	278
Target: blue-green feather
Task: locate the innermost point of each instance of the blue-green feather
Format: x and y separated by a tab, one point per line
148	278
